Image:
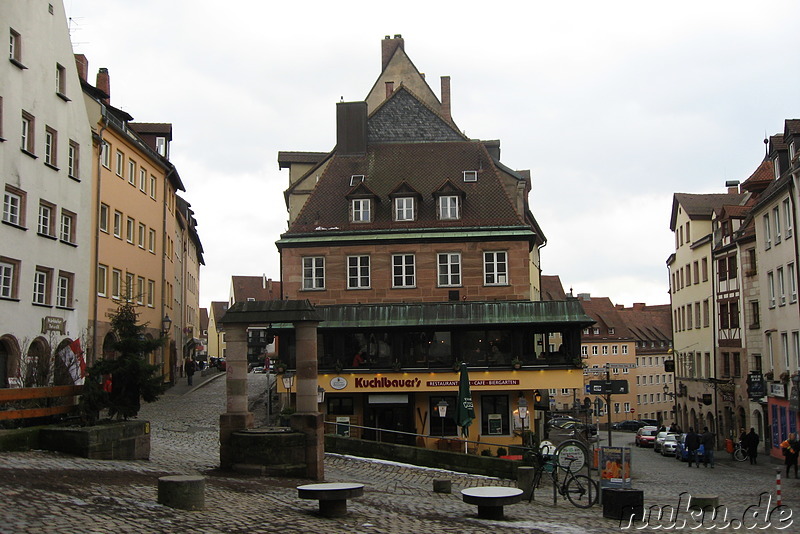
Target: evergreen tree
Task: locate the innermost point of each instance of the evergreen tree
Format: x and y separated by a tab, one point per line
120	384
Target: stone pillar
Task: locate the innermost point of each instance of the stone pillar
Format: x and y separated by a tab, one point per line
308	420
236	416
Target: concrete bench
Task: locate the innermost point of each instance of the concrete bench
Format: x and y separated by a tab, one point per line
491	499
332	496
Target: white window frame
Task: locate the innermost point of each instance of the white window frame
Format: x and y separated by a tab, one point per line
584	350
470	176
50	146
141	235
358	272
404	271
140	290
120	164
771	288
67	227
594	350
116	283
449	208
73	159
153	185
404	209
28	133
130	230
64	290
8	272
355	179
776	216
142	179
495	268
313	273
787	214
118	224
792	282
46	223
102	280
767	233
448	265
151	293
361	210
41	286
781	287
151	240
12	208
131	172
105	155
614	349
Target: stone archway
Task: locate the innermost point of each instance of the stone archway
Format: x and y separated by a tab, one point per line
9	360
108	346
61	376
37	366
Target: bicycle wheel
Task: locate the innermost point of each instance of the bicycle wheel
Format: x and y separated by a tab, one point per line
740	455
582	491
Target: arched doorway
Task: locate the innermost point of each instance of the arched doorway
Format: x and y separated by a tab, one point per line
37	365
692	420
9	360
709	422
108	346
758	424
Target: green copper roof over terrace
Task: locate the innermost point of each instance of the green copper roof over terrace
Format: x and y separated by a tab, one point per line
547	314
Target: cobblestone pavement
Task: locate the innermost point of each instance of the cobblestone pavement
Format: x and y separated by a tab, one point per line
43	492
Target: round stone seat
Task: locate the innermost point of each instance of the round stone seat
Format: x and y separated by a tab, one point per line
332	496
186	492
491	499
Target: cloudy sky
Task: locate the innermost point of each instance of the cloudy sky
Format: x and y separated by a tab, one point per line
613	106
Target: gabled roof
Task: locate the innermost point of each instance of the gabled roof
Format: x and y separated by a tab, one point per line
761	177
649	323
203	319
405	118
702	206
603	311
254	287
218	309
425	167
552	288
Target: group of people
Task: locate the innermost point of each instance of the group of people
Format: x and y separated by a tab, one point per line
749	442
693	441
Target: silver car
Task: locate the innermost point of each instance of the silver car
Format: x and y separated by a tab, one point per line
659	440
669	445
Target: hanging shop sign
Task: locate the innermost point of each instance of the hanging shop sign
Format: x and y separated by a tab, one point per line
53	324
454	383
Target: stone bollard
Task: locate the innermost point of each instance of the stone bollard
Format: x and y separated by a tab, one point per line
525	480
442	486
185	492
707	503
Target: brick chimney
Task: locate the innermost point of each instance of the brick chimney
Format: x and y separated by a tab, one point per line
733	186
83	66
351	128
104	84
446	98
388	48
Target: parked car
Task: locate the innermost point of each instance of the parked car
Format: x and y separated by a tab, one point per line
630	425
659	440
646	435
669	445
649	422
682	454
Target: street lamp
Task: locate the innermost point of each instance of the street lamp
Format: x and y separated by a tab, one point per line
288	381
166	325
522	405
442	407
320	394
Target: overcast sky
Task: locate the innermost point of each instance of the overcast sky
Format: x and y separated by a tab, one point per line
613	106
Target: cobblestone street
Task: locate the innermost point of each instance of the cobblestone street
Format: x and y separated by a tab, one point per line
44	492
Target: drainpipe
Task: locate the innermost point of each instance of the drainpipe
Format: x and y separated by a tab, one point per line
165	348
93	291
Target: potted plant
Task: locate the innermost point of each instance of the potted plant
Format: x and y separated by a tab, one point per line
280	367
396	365
784	377
769	375
338	366
516	363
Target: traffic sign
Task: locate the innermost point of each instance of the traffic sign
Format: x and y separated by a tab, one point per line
608	387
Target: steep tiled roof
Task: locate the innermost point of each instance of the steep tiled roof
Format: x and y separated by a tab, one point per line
425	167
203	319
649	323
602	310
254	287
552	289
405	119
218	309
761	177
703	205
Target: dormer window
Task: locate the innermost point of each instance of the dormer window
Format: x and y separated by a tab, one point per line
404	209
776	167
161	146
356	179
361	210
449	207
470	176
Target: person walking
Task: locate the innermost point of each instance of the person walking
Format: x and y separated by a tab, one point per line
707	439
751	441
791	449
190	367
692	443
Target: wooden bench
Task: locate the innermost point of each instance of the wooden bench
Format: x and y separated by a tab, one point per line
491	499
332	496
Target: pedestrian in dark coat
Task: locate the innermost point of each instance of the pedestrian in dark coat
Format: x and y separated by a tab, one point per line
692	443
708	447
190	367
751	442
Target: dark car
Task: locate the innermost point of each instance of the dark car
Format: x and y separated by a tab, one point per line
630	425
649	422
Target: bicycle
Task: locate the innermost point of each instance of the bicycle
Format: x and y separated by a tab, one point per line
580	490
740	453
